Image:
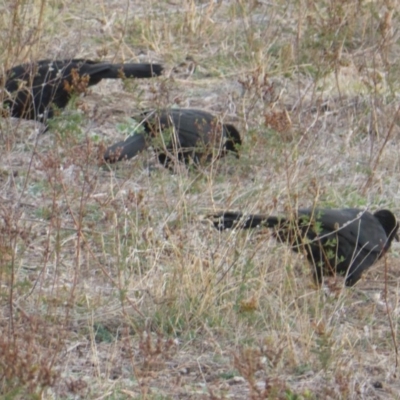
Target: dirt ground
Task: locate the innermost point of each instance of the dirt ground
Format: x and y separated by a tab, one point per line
114	284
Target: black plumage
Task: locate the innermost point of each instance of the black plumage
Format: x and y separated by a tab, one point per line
185	133
34	90
337	241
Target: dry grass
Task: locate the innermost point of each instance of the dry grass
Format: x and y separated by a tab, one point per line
112	285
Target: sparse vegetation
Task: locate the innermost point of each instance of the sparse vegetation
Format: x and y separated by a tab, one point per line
113	286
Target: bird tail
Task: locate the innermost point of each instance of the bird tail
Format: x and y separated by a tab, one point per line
125	149
230	219
135	70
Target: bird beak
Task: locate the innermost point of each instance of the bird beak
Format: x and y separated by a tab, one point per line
396	236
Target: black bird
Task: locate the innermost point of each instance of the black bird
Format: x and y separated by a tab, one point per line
337	241
187	133
35	90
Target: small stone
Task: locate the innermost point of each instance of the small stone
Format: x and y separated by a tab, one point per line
236	380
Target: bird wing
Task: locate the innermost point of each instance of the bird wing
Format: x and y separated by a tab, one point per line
187	124
197	127
358	227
